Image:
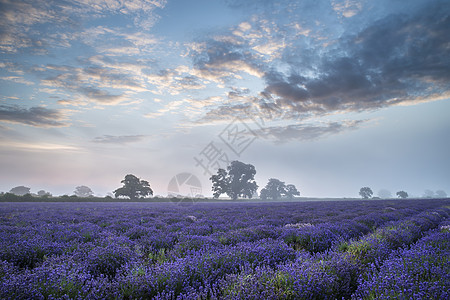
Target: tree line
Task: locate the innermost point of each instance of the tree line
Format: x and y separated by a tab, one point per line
236	181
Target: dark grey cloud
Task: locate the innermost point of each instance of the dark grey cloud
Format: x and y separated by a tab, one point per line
306	132
120	139
34	116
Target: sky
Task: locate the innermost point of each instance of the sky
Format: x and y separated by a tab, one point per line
330	96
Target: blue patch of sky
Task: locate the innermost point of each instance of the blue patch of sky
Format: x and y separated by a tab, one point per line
185	20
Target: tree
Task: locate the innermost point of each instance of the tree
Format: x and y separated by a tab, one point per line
43	193
263	195
220	182
274	189
366	192
441	194
291	191
83	191
20	190
133	188
238	180
402	194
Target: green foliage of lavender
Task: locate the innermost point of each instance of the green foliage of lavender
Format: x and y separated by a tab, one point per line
323	250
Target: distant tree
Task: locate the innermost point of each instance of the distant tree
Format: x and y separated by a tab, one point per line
220	183
274	189
83	191
428	194
242	179
291	191
384	194
20	190
441	194
43	193
133	188
366	192
263	194
402	194
238	180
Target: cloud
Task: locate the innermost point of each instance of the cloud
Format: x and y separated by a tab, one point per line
37	24
17	79
89	92
244	50
396	59
113	41
224	60
39	146
307	132
174	81
34	116
168	108
18	20
225	112
105	85
121	139
347	8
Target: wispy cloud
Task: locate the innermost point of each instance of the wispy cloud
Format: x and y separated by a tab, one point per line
103	85
347	8
307	132
39	146
174	81
17	79
118	42
20	19
120	139
34	116
142	11
168	108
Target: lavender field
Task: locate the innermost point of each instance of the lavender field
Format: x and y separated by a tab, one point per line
397	249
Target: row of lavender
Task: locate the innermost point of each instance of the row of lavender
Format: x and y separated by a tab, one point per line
208	251
407	259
